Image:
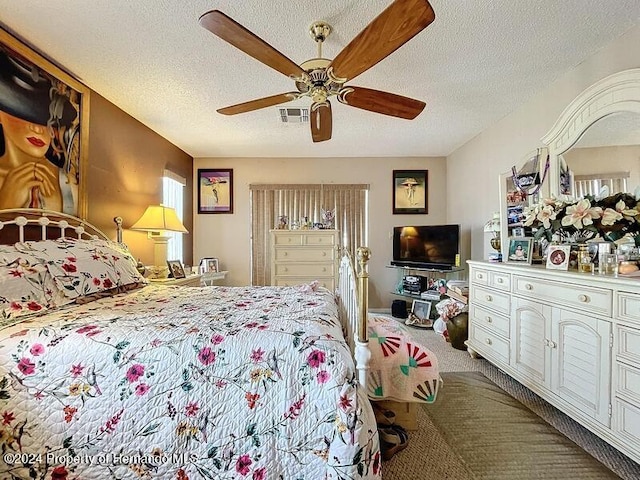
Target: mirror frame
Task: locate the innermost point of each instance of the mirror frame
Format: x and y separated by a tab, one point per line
616	93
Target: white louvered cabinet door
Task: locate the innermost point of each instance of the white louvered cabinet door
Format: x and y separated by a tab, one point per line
581	362
530	337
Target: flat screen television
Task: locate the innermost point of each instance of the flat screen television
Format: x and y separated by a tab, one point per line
428	246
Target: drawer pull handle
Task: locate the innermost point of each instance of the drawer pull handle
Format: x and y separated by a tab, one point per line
489	320
286	269
488	298
488	341
583	298
480	276
528	286
553	344
324	254
324	269
499	280
285	254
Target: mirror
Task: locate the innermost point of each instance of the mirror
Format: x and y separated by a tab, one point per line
595	140
607	154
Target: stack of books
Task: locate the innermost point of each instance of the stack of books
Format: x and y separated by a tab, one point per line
458	290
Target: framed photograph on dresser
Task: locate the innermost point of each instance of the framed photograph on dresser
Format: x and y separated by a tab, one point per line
558	257
520	249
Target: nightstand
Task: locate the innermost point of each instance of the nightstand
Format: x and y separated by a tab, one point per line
188	281
208	278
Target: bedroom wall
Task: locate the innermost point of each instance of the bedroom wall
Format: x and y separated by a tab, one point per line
227	236
473	169
126	163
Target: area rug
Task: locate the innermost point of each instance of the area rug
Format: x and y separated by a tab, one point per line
498	438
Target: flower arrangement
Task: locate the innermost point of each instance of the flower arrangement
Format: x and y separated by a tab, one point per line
610	218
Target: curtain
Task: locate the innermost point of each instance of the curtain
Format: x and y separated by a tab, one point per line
300	203
591	184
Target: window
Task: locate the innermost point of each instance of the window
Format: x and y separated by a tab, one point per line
173	196
269	202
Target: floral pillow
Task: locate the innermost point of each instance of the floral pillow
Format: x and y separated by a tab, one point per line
82	267
26	287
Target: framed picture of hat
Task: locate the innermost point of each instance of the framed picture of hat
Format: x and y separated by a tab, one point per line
39	96
410	191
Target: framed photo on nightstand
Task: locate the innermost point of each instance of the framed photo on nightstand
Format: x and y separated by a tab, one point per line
176	269
209	265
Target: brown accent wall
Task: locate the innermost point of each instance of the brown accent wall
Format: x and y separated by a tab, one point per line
124	174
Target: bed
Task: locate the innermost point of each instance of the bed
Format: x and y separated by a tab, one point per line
104	376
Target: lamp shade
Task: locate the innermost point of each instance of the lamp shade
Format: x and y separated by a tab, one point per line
157	218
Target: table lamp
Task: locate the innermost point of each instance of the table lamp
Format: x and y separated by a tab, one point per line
493	226
157	220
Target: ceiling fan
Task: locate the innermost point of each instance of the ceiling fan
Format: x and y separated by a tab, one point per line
321	78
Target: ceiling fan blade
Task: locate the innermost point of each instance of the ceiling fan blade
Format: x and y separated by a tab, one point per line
399	23
381	102
259	103
232	32
321	121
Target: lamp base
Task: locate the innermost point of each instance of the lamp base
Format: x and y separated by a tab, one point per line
495	243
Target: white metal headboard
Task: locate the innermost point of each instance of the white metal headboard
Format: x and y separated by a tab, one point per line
63	224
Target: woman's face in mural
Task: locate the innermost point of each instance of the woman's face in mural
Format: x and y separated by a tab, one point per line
30	138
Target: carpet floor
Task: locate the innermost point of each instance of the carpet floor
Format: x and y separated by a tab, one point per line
434	454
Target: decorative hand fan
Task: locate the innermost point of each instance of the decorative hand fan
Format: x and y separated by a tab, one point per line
321	78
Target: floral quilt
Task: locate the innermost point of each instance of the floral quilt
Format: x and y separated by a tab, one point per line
185	383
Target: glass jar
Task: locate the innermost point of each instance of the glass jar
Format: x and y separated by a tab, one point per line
585	265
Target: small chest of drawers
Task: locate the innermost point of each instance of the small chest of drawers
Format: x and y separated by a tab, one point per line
302	256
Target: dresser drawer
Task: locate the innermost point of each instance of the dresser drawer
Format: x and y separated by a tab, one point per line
318	254
305	269
627	423
489	344
501	281
628	345
320	239
328	283
288	239
491	299
628	382
489	320
628	307
590	299
480	276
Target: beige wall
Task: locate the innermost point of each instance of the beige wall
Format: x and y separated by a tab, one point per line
126	162
473	169
226	236
603	160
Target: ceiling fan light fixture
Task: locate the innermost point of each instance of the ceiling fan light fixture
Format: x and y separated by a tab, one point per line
320	78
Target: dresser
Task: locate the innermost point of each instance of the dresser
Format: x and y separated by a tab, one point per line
573	338
302	256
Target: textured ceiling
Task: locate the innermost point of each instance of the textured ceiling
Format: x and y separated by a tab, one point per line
477	62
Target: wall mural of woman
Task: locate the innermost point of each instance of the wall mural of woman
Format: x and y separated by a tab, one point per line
39	138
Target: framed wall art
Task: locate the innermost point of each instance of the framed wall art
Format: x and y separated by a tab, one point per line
410	189
215	190
38	96
520	250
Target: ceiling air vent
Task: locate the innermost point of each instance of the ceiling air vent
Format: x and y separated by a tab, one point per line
293	115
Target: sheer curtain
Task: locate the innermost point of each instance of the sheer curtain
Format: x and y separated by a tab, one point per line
296	201
173	196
